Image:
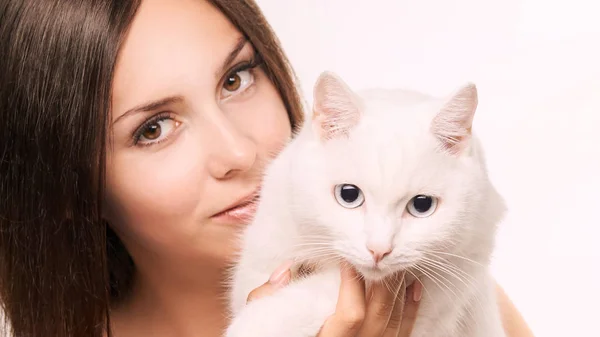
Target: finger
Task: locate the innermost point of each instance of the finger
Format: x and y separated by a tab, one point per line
380	307
350	309
411	308
280	278
396	317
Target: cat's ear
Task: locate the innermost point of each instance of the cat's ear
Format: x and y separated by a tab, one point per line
335	109
452	125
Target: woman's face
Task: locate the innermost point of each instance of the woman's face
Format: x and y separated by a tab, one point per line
194	121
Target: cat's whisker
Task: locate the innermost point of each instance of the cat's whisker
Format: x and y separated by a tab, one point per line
426	274
433	304
466	277
311	251
316	235
321	256
314	242
454	255
433	279
451	269
468	284
313	254
434	265
434	269
392	287
424	287
316	255
387	285
316	238
469	310
358	276
312	245
441	279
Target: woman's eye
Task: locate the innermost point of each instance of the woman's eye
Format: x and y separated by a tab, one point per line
237	82
156	131
422	206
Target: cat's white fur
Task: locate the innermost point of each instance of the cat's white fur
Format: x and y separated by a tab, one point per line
393	145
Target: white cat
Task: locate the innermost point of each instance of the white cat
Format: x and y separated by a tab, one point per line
387	180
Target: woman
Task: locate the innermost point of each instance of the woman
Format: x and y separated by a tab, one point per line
130	134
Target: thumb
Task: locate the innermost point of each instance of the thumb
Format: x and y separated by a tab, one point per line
279	279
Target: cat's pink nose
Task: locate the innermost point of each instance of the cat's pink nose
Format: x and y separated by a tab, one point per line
379	253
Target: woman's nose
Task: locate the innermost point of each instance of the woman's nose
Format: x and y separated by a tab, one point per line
233	152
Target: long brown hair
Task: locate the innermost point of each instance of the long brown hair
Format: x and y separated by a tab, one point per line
61	266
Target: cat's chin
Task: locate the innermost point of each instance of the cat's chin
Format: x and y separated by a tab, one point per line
373	274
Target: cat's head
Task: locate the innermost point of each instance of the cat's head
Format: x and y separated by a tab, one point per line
390	179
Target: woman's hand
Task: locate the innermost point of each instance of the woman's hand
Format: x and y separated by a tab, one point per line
387	310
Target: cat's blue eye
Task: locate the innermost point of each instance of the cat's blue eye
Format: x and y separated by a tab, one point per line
349	196
422	206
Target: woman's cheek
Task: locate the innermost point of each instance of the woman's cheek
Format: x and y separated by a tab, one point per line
159	193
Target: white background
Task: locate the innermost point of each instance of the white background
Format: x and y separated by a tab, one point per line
537	66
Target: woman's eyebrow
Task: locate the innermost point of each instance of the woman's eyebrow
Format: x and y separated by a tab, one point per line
150	106
235	51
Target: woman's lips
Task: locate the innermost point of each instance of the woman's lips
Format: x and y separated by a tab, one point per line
241	214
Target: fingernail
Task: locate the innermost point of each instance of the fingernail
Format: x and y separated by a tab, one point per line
417	291
282	274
